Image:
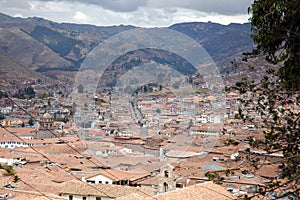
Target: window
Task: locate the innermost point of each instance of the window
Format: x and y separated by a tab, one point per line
100	181
106	182
90	181
98	198
166	174
166	187
70	197
83	198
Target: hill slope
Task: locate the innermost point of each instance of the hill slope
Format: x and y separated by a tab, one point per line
58	49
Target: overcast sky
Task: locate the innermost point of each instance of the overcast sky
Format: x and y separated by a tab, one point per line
144	13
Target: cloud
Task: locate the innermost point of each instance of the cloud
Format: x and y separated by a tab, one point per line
145	13
81	18
113	5
224	7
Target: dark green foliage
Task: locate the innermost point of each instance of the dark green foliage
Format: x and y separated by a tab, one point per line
277	108
275	25
29	92
45	95
80	88
31	122
65	120
9	171
2	94
16	179
231	142
215	177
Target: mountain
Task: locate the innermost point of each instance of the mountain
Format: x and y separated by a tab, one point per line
223	43
27	51
57	49
14	75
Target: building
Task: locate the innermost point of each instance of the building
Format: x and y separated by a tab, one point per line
166	179
117	177
46	128
77	190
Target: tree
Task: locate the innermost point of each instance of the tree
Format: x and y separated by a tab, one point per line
215	177
16	179
9	171
80	88
277	111
29	92
275	99
3	94
30	122
275	25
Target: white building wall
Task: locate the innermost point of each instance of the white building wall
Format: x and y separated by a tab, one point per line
125	150
11	145
101	179
10	161
79	197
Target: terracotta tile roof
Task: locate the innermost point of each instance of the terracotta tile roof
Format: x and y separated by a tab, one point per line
102	190
62	148
133	196
203	191
27	141
269	171
115	161
121	175
18	131
149	181
6	153
33	195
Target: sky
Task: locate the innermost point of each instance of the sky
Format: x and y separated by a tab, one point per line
143	13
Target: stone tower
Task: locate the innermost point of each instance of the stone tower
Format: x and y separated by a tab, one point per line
166	179
46	122
46	127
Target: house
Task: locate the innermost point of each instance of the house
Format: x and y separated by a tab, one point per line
117	177
77	190
166	179
6	122
13	142
8	158
201	191
6	110
151	182
24	133
23	194
205	191
211	129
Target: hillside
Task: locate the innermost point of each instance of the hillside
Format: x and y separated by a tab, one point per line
20	47
14	76
58	49
223	43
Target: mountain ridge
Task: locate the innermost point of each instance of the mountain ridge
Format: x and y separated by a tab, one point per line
62	47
